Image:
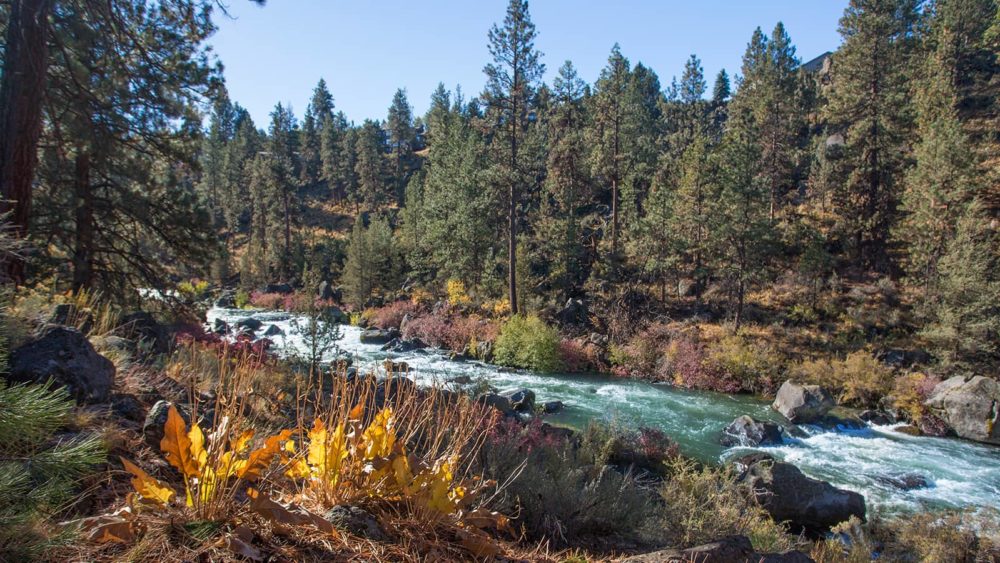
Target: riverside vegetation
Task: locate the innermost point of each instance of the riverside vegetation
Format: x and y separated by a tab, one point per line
821	233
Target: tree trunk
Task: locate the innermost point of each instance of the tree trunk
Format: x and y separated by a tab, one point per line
83	251
24	70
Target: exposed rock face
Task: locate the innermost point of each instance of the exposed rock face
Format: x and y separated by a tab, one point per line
878	418
970	407
325	291
806	503
802	403
730	549
573	312
747	432
65	356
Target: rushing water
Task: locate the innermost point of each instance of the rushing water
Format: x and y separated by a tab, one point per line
961	474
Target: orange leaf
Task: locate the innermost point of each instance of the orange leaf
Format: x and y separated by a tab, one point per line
261	458
176	445
478	543
148	487
357	412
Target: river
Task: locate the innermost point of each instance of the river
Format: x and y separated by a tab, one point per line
960	474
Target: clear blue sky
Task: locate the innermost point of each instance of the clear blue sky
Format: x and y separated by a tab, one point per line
365	49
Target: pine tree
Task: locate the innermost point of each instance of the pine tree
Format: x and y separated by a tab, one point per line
720	90
319	114
283	161
371	169
510	84
691	210
400	126
869	105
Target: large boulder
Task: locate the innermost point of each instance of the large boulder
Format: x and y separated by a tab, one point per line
730	549
499	402
574	312
970	406
748	432
64	356
251	324
805	503
802	403
400	346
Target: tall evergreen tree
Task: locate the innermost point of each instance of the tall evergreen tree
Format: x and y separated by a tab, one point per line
510	84
721	88
868	104
400	125
371	166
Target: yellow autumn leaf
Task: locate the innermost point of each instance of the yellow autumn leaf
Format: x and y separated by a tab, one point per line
198	452
176	445
242	442
316	454
148	487
378	439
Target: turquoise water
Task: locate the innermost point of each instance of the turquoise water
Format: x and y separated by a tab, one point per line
962	474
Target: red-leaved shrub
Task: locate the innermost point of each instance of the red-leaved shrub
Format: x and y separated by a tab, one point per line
452	332
391	315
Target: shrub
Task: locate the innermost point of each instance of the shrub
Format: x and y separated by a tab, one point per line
704	503
527	342
557	491
574	356
193	289
451	331
747	366
267	300
643	353
909	393
242	299
457	295
860	379
391	315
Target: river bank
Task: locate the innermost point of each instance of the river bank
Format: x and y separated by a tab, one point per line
959	474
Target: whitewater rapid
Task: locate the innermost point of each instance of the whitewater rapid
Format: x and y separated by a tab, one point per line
960	474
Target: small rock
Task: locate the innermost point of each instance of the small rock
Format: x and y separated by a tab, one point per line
220	327
378	336
357	521
877	418
461	380
802	403
748	432
274	330
552	407
64	356
226	300
128	407
905	481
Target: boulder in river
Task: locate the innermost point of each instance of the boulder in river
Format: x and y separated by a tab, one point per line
802	404
552	407
64	356
877	418
806	503
903	481
745	431
249	323
220	327
401	346
226	299
969	406
378	336
522	400
499	402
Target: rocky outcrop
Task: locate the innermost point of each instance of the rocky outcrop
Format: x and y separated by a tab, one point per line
144	329
730	549
574	312
969	406
64	356
805	503
749	432
802	403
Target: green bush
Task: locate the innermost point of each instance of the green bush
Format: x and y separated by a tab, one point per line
527	342
859	379
754	365
242	299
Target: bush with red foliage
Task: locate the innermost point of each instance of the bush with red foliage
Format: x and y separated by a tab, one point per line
274	301
642	355
580	356
453	332
524	437
655	445
391	315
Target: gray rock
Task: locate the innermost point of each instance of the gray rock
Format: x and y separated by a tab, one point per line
65	356
730	549
748	432
805	503
461	380
522	400
969	406
552	407
484	351
128	407
274	330
156	418
325	291
400	346
378	336
499	402
573	312
220	326
357	521
249	323
802	403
